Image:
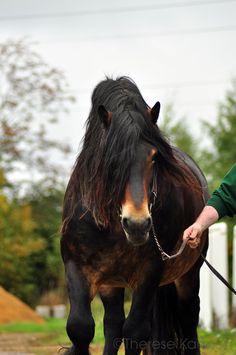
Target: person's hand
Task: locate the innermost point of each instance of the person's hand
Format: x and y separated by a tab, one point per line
193	235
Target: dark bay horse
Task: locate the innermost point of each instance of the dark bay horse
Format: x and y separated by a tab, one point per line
109	222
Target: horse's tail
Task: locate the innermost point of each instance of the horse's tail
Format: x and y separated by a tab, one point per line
166	329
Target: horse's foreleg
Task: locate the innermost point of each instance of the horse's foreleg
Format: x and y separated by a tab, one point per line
80	323
114	318
137	327
188	310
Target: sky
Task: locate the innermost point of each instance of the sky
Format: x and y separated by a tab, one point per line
176	51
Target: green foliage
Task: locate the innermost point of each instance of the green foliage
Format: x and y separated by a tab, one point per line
222	133
33	96
19	242
222	155
30	261
46	211
178	133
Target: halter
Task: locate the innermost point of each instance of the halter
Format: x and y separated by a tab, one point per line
164	255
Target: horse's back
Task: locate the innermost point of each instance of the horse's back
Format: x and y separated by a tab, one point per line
195	169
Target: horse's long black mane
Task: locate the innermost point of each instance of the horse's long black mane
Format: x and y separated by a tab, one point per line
103	165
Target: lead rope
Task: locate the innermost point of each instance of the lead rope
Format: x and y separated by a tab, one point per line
165	256
217	274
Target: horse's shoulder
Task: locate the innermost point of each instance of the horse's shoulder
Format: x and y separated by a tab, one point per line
194	168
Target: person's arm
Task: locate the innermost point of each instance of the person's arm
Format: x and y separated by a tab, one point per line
221	203
224	198
192	234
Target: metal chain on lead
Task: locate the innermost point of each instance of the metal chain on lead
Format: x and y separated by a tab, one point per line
164	255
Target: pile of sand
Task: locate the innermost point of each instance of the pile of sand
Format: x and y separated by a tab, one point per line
14	310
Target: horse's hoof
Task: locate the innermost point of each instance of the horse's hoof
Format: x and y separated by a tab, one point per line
73	351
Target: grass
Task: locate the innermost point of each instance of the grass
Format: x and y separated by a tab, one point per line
212	343
218	342
57	327
51	325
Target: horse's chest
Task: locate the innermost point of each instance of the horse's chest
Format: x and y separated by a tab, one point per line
119	265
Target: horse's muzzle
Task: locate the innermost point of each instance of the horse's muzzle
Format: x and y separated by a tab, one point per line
137	232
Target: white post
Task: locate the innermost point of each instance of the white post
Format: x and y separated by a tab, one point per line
213	294
206	316
219	259
234	269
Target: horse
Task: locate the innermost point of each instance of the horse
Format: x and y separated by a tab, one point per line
130	190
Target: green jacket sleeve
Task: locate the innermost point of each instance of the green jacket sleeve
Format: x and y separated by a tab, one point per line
224	198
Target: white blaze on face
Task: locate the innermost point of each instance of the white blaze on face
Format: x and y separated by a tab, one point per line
135	213
131	211
135	204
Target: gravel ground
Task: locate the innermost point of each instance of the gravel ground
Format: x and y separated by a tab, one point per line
31	344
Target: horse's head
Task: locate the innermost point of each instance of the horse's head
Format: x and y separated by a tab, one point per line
114	171
135	207
137	161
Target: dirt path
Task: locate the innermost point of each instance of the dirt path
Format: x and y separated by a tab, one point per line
24	344
31	344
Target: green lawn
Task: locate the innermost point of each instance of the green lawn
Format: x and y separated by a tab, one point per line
212	343
57	327
218	342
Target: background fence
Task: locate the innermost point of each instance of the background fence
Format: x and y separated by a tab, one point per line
213	294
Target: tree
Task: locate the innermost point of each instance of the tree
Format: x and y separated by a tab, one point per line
19	242
178	133
220	157
222	154
33	96
46	207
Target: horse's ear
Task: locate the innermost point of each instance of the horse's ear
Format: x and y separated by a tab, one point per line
104	115
155	112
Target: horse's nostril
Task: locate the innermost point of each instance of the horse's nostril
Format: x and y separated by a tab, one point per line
136	226
129	225
147	224
125	223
